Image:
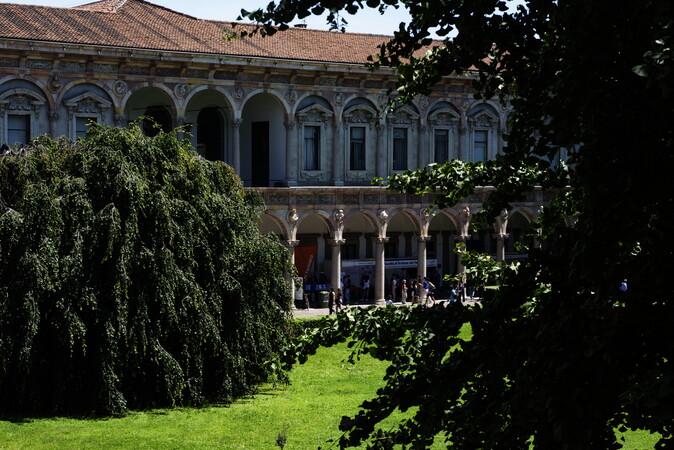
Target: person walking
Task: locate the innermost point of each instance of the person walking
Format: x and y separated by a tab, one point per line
338	301
347	289
403	291
394	288
331	301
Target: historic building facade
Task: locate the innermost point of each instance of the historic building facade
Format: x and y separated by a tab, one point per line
297	115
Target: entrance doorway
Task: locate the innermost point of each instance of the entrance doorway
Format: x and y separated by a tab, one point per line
260	153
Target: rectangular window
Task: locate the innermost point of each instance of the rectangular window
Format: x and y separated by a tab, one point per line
18	129
82	124
441	146
399	148
312	148
480	146
357	160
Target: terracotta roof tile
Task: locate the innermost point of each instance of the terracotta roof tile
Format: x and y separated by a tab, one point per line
140	24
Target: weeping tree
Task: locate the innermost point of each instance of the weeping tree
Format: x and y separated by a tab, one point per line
561	358
132	275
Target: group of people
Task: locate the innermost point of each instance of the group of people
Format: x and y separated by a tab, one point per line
415	291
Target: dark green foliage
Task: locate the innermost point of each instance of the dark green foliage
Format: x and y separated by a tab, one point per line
132	275
561	357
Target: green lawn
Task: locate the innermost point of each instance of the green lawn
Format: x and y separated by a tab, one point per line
307	412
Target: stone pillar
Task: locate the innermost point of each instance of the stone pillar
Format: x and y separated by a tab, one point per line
53	123
291	151
422	150
379	266
320	250
119	120
381	151
362	246
439	255
337	152
421	255
464	154
500	246
461	239
336	267
290	277
180	125
236	145
401	244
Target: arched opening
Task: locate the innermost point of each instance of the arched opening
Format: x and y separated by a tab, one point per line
155	105
263	155
441	247
310	257
518	232
210	132
400	251
157	118
207	119
357	254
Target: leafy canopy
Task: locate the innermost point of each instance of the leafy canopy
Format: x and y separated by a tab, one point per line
132	275
561	357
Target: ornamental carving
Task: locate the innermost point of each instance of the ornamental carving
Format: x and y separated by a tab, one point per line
293	217
400	117
239	93
483	120
359	116
120	88
444	118
55	82
20	102
181	90
383	215
312	116
87	105
291	96
338	215
339	98
424	103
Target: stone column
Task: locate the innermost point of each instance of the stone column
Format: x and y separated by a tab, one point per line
320	250
421	255
439	254
422	150
290	277
291	151
500	246
401	244
461	239
119	120
379	266
464	154
337	152
381	150
362	246
236	145
336	268
53	123
180	125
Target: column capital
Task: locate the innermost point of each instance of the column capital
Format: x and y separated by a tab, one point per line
291	244
461	237
423	239
380	240
289	124
236	123
500	236
336	242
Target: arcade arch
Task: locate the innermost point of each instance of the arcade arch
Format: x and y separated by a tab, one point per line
263	155
209	114
154	103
